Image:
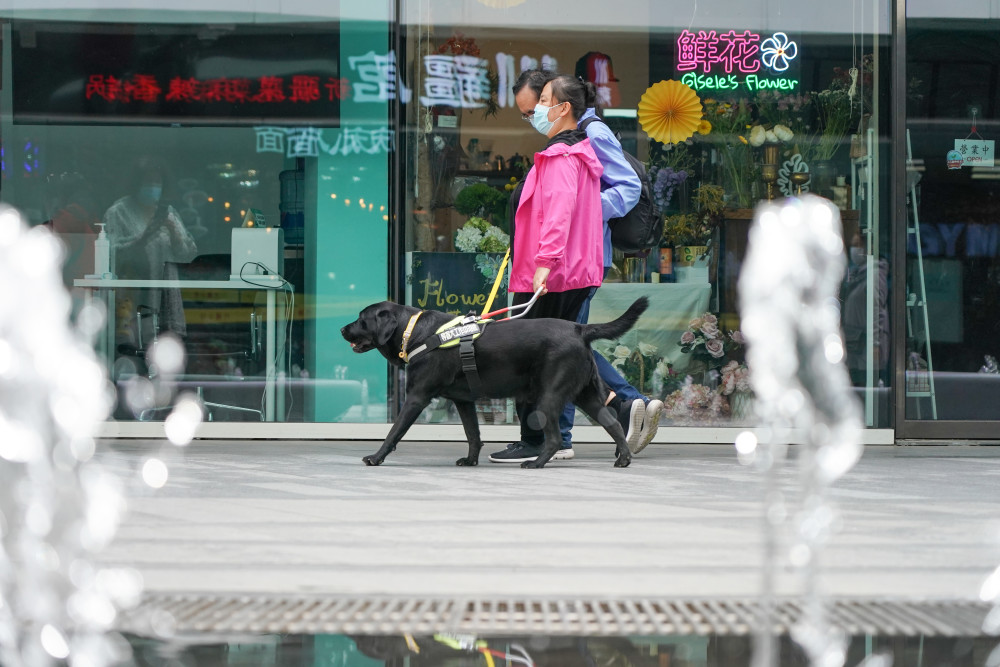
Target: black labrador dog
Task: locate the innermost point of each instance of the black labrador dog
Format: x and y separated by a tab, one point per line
547	362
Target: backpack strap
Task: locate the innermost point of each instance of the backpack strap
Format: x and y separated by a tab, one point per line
597	119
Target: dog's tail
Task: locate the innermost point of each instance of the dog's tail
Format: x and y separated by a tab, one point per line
616	328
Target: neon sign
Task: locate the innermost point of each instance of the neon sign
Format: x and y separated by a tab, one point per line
720	61
146	88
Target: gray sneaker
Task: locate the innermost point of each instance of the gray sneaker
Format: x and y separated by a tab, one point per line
650	423
630	416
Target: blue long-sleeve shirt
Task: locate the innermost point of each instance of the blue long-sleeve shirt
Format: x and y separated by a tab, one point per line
620	187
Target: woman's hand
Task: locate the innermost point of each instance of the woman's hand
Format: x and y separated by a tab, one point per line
541	277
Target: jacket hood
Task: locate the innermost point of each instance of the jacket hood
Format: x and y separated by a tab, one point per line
573	142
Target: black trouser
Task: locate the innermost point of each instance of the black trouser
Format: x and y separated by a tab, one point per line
560	305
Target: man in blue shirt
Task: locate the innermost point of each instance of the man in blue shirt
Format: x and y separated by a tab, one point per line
620	188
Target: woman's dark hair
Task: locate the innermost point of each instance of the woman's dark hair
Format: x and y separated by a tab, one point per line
149	167
580	95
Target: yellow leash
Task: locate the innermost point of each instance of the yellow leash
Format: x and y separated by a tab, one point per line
496	284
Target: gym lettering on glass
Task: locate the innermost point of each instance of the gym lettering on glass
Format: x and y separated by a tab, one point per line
746	59
944	240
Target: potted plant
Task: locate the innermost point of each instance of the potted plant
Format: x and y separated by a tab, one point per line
691	234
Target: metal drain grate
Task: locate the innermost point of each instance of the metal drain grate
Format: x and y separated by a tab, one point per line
580	617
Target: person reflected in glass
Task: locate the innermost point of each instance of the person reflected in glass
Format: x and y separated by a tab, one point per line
557	246
856	314
148	240
638	414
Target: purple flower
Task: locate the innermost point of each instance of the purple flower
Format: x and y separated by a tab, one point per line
715	347
687	338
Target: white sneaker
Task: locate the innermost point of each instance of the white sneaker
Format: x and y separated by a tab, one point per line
630	416
650	423
564	454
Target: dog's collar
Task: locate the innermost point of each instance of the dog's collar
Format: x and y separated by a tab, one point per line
407	333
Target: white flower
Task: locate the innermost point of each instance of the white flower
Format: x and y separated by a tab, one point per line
467	239
647	350
783	133
497	233
771	137
757	135
621	352
777	51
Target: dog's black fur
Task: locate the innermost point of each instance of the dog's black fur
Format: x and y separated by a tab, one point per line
544	361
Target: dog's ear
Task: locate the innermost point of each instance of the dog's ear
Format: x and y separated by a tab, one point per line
385	325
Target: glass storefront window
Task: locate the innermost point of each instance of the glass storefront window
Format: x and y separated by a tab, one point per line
953	205
294	142
239	168
781	106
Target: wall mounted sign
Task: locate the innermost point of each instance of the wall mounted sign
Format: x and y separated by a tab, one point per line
974	152
189	74
712	60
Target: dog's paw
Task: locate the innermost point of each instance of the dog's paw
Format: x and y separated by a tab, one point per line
372	460
532	464
466	461
623	461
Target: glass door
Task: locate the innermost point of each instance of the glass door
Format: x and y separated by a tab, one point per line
952	189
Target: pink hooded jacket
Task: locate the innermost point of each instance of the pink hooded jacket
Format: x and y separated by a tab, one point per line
558	221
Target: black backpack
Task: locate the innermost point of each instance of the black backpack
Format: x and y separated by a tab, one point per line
641	228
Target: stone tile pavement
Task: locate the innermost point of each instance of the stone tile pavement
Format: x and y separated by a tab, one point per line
307	517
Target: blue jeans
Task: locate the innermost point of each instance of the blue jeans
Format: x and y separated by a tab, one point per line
611	377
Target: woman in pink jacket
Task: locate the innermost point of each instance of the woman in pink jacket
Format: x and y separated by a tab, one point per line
558	241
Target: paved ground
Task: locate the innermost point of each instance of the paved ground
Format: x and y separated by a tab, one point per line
307	517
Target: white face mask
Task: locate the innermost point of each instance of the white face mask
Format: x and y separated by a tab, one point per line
540	119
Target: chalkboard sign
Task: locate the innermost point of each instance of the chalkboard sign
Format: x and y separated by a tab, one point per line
453	282
186	74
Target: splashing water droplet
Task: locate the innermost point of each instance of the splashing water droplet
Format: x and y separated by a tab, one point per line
154	473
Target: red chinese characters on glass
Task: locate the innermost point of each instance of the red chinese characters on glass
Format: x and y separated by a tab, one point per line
145	88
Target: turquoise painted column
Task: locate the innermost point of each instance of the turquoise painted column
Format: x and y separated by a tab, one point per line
347	211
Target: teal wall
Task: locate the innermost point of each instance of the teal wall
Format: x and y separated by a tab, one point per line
347	247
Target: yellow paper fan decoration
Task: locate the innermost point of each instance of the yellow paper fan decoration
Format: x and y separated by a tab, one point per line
669	111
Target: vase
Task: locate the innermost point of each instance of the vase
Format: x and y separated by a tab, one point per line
691	264
741	406
823	177
634	269
691	255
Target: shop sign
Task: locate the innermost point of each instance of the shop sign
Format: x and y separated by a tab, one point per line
711	60
974	152
311	142
955	159
451	281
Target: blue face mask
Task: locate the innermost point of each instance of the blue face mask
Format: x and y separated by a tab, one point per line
150	194
540	119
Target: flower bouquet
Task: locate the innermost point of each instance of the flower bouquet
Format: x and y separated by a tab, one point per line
695	403
489	241
478	235
735	378
708	344
698	227
643	368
